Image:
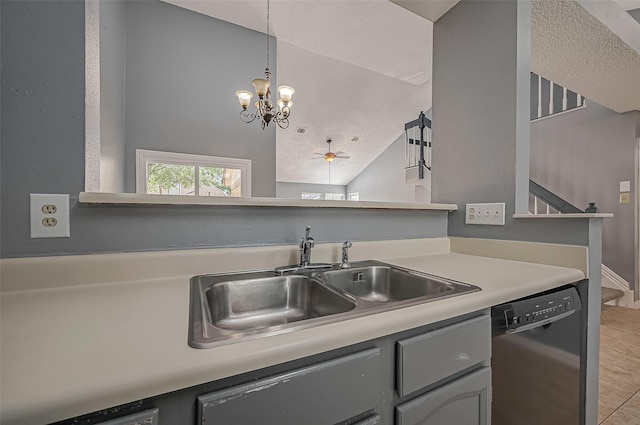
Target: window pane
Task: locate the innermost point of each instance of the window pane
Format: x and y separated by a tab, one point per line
355	196
310	195
215	181
170	179
334	196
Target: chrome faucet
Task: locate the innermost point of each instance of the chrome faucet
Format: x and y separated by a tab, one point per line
305	263
305	248
345	255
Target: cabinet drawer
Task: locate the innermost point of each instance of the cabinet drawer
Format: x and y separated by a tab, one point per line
465	401
430	357
325	393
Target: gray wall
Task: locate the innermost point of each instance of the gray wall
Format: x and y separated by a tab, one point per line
480	66
112	91
383	179
182	72
582	157
294	190
42	105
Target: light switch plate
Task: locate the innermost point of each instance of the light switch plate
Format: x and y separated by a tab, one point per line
625	198
625	186
489	213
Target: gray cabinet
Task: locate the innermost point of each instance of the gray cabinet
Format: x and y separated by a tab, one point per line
452	364
322	394
437	374
430	357
465	401
148	417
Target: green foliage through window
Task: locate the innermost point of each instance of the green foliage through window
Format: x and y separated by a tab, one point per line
179	179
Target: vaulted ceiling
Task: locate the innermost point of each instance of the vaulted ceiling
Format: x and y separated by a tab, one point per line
363	68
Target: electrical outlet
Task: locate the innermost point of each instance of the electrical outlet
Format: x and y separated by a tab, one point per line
491	214
49	215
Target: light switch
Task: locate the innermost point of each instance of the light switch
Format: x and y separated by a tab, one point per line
625	186
625	198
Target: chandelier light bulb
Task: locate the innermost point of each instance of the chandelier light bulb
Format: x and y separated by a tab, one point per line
262	86
286	92
244	97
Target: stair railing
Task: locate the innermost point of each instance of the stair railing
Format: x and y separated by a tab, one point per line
552	202
552	99
418	144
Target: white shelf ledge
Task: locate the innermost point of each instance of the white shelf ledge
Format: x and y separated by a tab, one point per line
557	216
95	199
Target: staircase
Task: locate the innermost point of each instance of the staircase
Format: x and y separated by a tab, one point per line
543	199
610	294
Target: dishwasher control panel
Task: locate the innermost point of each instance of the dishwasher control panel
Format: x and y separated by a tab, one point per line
538	310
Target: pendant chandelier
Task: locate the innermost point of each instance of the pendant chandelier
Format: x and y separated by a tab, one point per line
265	110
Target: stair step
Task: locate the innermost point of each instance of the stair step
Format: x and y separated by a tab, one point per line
610	294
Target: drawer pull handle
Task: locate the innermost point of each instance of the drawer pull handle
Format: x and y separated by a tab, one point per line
463	357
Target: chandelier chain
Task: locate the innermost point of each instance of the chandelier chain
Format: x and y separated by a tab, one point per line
267	34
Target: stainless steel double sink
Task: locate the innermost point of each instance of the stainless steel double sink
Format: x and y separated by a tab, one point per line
226	308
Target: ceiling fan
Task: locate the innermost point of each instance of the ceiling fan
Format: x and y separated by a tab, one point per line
330	156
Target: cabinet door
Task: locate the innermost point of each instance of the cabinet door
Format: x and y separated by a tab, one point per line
466	401
148	417
321	394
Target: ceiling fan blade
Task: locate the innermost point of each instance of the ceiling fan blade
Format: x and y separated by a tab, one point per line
339	152
343	157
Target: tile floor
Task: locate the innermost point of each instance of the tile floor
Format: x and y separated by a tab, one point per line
619	400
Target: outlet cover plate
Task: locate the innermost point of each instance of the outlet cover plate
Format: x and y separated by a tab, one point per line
491	214
39	216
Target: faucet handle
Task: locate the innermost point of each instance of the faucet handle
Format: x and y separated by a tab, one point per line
345	255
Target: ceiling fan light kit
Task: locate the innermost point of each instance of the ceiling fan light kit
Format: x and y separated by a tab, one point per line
330	156
265	110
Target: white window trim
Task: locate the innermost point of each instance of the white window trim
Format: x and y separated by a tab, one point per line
349	196
144	157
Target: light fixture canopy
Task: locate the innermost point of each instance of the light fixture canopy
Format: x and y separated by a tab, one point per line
265	109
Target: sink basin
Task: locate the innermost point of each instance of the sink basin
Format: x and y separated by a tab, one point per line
225	308
258	303
385	283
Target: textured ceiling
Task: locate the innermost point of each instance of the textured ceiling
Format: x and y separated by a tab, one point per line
574	49
363	67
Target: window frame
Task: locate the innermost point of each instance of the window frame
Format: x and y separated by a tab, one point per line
144	157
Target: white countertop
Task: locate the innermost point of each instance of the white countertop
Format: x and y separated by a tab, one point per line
70	350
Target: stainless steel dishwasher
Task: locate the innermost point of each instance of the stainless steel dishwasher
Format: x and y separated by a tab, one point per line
536	360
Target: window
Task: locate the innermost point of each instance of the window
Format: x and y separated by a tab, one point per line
310	195
334	196
170	173
354	196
